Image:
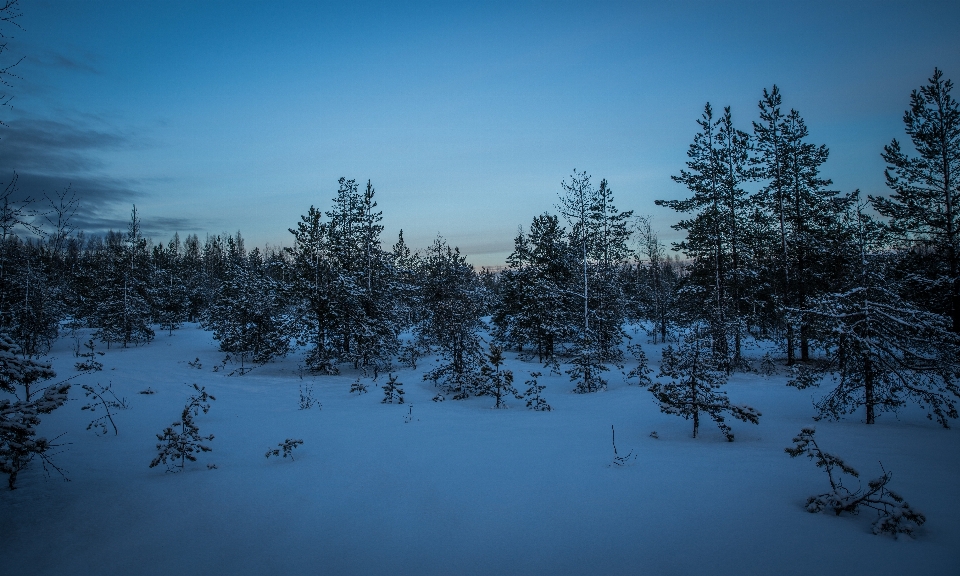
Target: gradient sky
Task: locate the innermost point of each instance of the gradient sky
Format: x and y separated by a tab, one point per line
218	116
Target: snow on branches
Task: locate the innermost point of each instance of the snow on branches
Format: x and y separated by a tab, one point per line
894	514
695	386
181	441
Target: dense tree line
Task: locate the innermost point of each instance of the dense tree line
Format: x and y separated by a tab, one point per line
863	289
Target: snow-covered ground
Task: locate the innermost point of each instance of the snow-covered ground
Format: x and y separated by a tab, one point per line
462	488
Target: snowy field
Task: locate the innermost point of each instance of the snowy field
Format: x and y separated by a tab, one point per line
462	488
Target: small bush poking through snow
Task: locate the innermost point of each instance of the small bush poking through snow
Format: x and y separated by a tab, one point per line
894	515
286	447
358	387
534	388
392	391
182	440
90	364
307	400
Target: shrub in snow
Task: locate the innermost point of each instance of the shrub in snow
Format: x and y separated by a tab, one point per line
358	387
534	388
392	391
894	514
90	364
695	384
20	417
100	400
181	440
640	374
307	400
18	431
286	447
496	381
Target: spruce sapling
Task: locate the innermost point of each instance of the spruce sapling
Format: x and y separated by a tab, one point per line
392	391
497	382
640	374
358	387
534	401
182	440
894	515
695	385
286	447
90	364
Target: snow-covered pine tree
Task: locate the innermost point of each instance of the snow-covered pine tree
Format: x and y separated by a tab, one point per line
881	350
798	210
923	209
497	382
641	373
717	231
599	234
247	314
695	384
20	417
534	308
451	319
122	309
169	292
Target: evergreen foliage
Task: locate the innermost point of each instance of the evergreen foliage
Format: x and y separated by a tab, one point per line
392	391
497	382
286	448
181	441
532	394
694	385
881	350
894	514
922	210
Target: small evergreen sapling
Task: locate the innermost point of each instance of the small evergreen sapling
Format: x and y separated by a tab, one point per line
100	400
392	391
894	515
640	374
358	387
497	382
90	364
182	440
695	386
286	447
534	388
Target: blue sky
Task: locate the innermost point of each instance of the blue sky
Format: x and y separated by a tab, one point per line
214	117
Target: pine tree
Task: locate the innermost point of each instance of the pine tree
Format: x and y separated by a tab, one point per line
532	394
20	417
452	306
497	382
881	350
392	391
181	441
247	313
694	386
922	210
122	308
715	232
